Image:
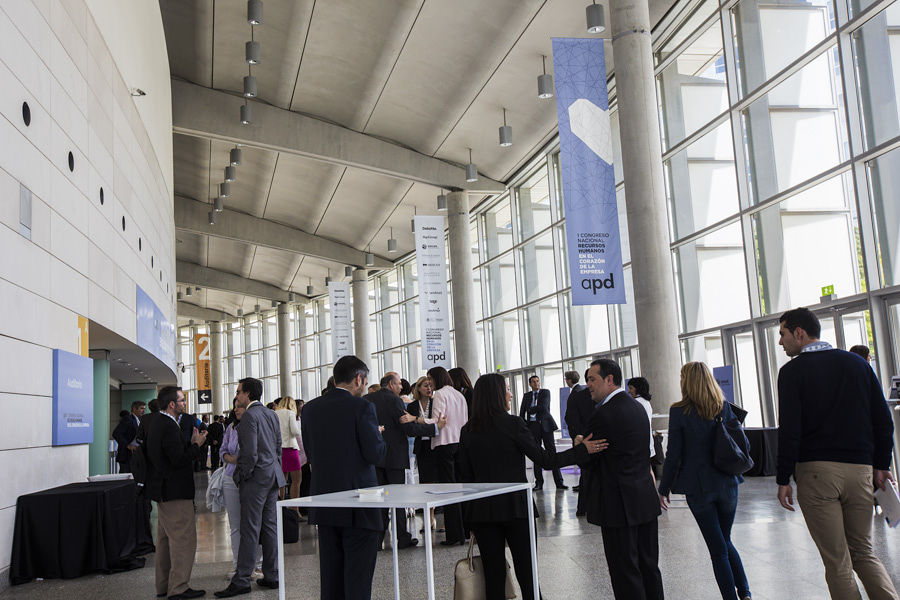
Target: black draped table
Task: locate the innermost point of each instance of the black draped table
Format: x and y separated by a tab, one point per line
763	450
76	529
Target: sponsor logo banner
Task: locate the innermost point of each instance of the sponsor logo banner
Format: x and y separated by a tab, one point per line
341	330
434	314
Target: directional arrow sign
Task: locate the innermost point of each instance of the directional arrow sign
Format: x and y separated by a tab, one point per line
205	396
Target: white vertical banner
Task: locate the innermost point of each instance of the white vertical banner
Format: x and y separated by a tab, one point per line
341	330
434	315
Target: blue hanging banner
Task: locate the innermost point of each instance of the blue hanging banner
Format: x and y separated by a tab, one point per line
589	184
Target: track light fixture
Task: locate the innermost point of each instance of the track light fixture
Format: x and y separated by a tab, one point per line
328	278
246	115
234	157
442	197
249	86
229	174
545	81
471	169
212	217
310	291
219	204
240	312
370	258
505	133
256	308
225	189
292	296
188	292
392	243
251	52
348	271
255	12
412	222
596	20
178	295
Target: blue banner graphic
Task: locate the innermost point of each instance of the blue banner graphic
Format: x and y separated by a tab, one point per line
155	333
725	378
589	186
73	399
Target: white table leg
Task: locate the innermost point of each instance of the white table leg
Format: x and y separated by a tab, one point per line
532	535
280	528
429	559
393	513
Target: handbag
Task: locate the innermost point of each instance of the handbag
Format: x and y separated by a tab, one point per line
469	577
731	449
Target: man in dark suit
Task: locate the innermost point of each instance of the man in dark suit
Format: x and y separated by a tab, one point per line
258	476
578	412
621	497
214	438
535	411
125	435
170	482
398	426
342	442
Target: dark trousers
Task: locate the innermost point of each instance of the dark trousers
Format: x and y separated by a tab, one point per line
347	562
305	477
714	514
445	458
491	538
258	528
386	476
214	457
545	437
632	555
583	483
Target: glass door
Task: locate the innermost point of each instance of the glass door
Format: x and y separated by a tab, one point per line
740	351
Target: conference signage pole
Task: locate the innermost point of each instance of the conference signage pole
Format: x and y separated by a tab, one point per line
434	316
203	372
586	159
341	331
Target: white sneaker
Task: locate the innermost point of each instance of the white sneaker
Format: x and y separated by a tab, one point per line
257	573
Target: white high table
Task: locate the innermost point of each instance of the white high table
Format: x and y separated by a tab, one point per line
424	496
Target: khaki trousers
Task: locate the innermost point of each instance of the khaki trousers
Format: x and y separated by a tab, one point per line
837	503
176	543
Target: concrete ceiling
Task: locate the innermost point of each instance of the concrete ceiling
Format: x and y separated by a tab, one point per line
427	76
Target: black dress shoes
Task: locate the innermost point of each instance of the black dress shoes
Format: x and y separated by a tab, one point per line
188	593
537	487
562	486
576	488
453	542
580	513
233	590
272	584
408	544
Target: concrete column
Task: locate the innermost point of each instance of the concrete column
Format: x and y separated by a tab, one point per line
360	289
215	367
98	450
645	198
285	365
464	297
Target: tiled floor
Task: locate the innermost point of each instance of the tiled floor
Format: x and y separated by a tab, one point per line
779	556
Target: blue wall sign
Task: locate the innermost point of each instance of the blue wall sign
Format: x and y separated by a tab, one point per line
725	378
586	159
155	333
73	399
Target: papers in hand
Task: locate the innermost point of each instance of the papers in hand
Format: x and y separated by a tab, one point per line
889	502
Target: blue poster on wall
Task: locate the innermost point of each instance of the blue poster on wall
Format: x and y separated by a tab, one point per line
586	159
73	399
155	333
725	378
563	405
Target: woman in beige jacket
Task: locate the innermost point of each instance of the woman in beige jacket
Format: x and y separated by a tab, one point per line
286	411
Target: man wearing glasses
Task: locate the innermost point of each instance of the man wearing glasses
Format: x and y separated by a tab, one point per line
170	482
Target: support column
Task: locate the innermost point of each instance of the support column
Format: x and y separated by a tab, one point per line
645	199
215	370
98	450
466	338
285	364
361	342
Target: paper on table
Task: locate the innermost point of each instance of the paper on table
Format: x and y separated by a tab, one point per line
889	502
453	491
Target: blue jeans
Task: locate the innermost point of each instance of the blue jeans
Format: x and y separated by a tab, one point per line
714	513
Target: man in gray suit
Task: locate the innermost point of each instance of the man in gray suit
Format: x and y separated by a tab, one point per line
258	476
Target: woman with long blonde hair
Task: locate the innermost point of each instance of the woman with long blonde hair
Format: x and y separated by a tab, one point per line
286	411
689	469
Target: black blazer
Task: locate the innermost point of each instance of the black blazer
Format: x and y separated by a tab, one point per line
498	456
419	444
171	473
341	439
388	410
620	487
578	411
540	409
125	433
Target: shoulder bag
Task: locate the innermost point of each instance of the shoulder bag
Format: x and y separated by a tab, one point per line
469	577
731	449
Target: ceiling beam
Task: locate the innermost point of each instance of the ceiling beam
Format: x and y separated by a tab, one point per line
214	279
204	112
193	215
192	311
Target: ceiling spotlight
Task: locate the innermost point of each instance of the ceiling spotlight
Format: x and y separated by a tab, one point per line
274	303
191	322
240	312
254	12
471	170
235	157
197	289
251	52
370	259
246	115
188	292
229	174
256	308
249	86
545	81
442	197
596	21
327	280
292	296
392	243
505	133
348	271
412	222
212	217
219	204
179	295
310	291
225	189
